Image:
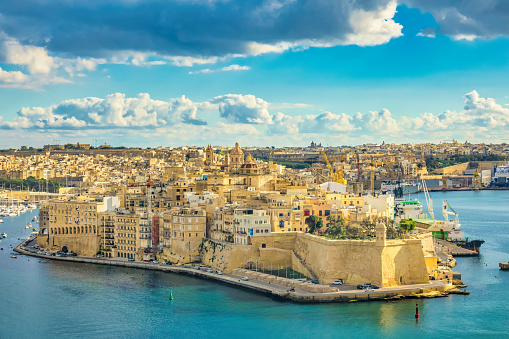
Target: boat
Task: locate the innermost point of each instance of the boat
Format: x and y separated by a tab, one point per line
1	220
449	230
14	256
504	266
3	235
501	176
29	225
400	188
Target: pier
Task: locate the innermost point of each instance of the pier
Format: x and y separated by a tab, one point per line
455	250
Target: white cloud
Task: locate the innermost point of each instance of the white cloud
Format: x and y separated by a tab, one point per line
36	59
245	109
247	117
234	68
428	32
13	77
381	121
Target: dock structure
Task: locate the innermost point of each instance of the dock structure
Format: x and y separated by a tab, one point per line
455	250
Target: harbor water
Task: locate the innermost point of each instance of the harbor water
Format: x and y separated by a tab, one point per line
51	299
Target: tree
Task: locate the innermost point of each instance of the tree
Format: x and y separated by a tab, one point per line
314	223
369	228
407	224
336	226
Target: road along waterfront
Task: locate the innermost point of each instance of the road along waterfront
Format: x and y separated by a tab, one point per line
49	298
433	289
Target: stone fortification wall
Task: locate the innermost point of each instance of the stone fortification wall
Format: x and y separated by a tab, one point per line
87	245
403	263
182	252
225	256
354	261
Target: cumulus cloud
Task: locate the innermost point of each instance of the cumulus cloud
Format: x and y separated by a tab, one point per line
247	115
381	121
478	114
36	59
13	77
198	32
245	109
467	19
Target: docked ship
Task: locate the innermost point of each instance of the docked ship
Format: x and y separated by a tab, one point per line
501	176
400	188
449	229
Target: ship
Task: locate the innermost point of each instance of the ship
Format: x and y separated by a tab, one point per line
449	230
501	177
400	188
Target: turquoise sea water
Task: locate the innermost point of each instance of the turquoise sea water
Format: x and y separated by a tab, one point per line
50	299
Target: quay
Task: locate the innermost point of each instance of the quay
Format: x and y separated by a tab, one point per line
455	250
344	293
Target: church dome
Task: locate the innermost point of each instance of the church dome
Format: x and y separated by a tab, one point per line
237	150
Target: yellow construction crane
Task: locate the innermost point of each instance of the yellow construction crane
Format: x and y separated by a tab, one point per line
444	182
373	164
335	175
476	184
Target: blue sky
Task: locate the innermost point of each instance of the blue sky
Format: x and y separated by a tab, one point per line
263	72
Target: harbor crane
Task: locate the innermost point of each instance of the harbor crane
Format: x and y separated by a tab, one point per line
429	199
445	212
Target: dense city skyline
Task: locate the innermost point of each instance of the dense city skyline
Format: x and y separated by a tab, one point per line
265	73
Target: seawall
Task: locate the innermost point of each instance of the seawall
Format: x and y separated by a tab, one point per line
428	290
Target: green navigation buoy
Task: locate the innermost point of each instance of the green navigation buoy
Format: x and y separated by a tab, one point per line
171	295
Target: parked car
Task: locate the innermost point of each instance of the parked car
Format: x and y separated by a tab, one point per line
210	270
155	262
219	272
338	282
360	287
245	278
187	266
375	287
314	281
130	259
197	267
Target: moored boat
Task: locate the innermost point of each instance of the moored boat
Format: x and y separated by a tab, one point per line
504	266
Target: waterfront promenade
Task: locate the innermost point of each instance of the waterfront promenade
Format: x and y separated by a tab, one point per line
344	293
